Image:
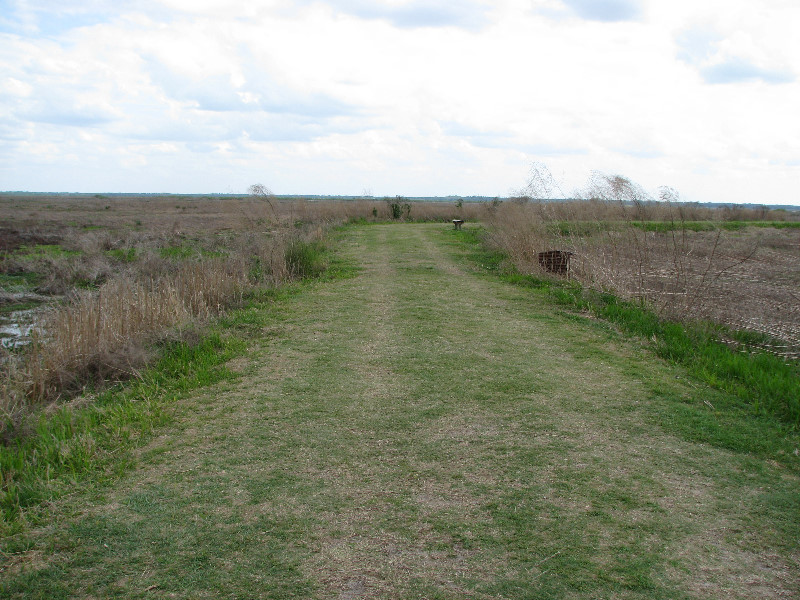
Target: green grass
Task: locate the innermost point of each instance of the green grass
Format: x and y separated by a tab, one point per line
19	282
178	252
187	251
588	228
45	251
418	428
769	384
665	226
65	447
306	259
71	445
6	309
778	224
581	228
122	254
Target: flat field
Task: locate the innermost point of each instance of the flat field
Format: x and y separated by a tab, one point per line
421	429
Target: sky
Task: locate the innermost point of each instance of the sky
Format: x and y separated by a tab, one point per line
400	97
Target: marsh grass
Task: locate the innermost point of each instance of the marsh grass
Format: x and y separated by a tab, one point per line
422	431
116	291
73	443
119	274
102	336
187	259
303	258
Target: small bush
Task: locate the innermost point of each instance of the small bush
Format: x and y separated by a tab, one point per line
395	209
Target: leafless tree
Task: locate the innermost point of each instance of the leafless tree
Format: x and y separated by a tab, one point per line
541	185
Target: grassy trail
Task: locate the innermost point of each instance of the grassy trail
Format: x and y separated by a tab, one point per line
423	431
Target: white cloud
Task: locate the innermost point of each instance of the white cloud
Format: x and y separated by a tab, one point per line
736	70
399	96
12	87
734	58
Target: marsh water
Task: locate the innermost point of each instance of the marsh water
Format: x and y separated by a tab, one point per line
16	326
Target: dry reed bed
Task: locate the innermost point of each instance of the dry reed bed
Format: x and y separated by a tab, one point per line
746	278
97	333
156	263
147	283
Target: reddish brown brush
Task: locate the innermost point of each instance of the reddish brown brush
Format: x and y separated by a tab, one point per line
745	278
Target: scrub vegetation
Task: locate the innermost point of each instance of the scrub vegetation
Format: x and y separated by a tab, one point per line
734	267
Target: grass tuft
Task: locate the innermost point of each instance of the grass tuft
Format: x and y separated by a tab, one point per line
305	258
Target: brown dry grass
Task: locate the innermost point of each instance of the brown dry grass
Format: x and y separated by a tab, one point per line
121	275
151	264
100	335
423	431
745	278
169	215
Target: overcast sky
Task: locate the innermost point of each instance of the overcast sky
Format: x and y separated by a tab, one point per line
411	97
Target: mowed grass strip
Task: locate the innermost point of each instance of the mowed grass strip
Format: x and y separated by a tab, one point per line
421	431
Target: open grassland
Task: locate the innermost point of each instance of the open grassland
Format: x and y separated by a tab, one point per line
120	275
193	214
418	430
421	429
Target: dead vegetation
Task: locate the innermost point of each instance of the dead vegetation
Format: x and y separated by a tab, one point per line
174	215
116	273
110	276
106	287
737	267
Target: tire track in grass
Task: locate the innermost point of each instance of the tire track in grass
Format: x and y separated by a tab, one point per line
420	431
380	541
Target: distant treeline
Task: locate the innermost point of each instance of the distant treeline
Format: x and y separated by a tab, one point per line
322	197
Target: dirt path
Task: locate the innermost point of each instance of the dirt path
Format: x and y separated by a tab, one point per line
421	431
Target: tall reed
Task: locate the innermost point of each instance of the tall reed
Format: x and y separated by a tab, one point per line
106	333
